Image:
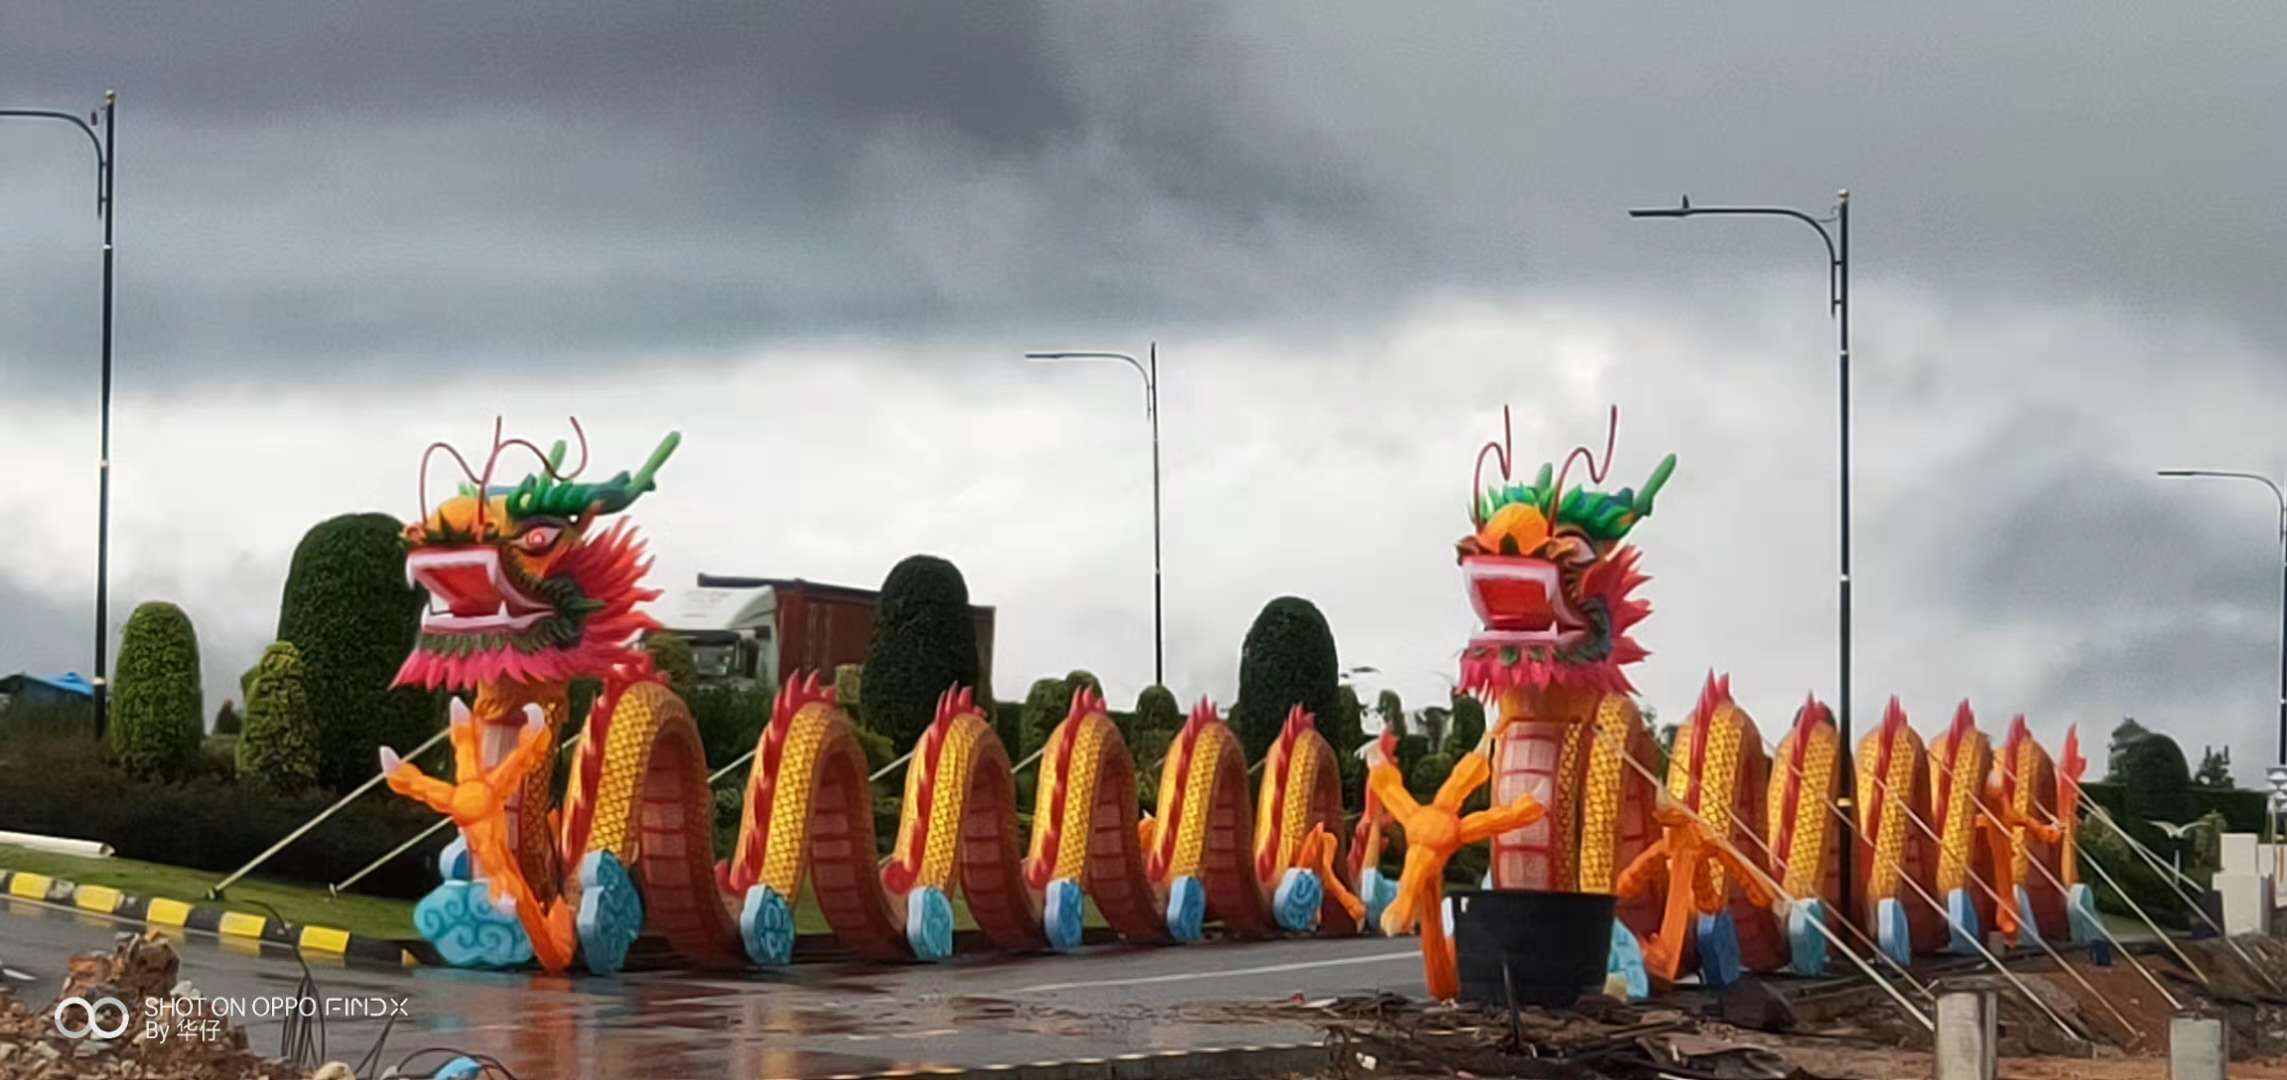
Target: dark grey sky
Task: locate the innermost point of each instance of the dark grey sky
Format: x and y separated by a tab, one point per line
2062	224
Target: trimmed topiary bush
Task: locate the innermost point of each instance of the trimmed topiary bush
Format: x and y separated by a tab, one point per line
158	716
1156	710
1044	707
2156	779
279	750
924	643
1345	729
1288	660
226	721
671	657
349	614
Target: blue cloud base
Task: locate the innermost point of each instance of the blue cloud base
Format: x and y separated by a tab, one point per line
468	930
610	915
1063	912
766	927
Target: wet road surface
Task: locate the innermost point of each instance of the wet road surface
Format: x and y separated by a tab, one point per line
815	1019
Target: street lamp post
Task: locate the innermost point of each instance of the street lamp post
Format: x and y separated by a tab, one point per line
1838	305
1151	410
104	161
2281	498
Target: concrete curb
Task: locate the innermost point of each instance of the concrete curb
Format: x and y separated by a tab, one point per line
1210	1063
241	927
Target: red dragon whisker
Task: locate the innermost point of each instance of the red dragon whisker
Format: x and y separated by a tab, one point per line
1596	472
1477	475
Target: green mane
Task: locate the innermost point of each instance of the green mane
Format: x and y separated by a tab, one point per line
1603	516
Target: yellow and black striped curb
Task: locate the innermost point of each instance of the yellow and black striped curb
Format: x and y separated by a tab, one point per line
1214	1063
217	919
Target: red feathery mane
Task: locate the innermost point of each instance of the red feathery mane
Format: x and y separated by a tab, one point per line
1084	702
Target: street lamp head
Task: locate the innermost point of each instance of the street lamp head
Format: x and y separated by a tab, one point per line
2178	472
1682	208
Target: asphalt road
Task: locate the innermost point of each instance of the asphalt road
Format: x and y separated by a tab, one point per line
814	1019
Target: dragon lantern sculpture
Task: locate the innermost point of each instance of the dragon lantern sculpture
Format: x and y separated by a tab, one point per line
1552	582
531	589
1730	863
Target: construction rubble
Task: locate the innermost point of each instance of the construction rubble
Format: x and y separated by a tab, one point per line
2051	1026
141	972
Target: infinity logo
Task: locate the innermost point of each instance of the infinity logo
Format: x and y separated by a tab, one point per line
91	1014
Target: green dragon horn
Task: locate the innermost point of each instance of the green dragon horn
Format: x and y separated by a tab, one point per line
658	457
1652	486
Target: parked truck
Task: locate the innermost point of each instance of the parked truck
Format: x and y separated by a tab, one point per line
748	630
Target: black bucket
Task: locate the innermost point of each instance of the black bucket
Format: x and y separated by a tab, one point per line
1554	944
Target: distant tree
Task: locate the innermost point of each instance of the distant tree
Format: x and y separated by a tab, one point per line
1436	721
1411	750
1468	726
670	654
2127	733
1427	775
2215	768
1287	660
226	721
278	751
924	643
158	718
1391	710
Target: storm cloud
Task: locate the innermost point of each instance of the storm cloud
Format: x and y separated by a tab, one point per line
815	236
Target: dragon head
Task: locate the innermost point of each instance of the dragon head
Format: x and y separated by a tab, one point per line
1550	578
521	587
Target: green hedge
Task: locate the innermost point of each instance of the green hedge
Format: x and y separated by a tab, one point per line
924	643
63	787
2242	810
730	721
671	657
1156	710
349	613
159	715
1287	660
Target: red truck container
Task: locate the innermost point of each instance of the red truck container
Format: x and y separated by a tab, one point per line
751	629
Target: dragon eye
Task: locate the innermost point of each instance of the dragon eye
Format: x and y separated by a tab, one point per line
539	538
1574	548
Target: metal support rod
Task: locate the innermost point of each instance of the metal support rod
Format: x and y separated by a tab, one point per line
106	160
2138	847
216	892
439	825
1838	306
1777	889
2034	933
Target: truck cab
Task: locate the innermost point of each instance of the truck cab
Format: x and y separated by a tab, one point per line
733	633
